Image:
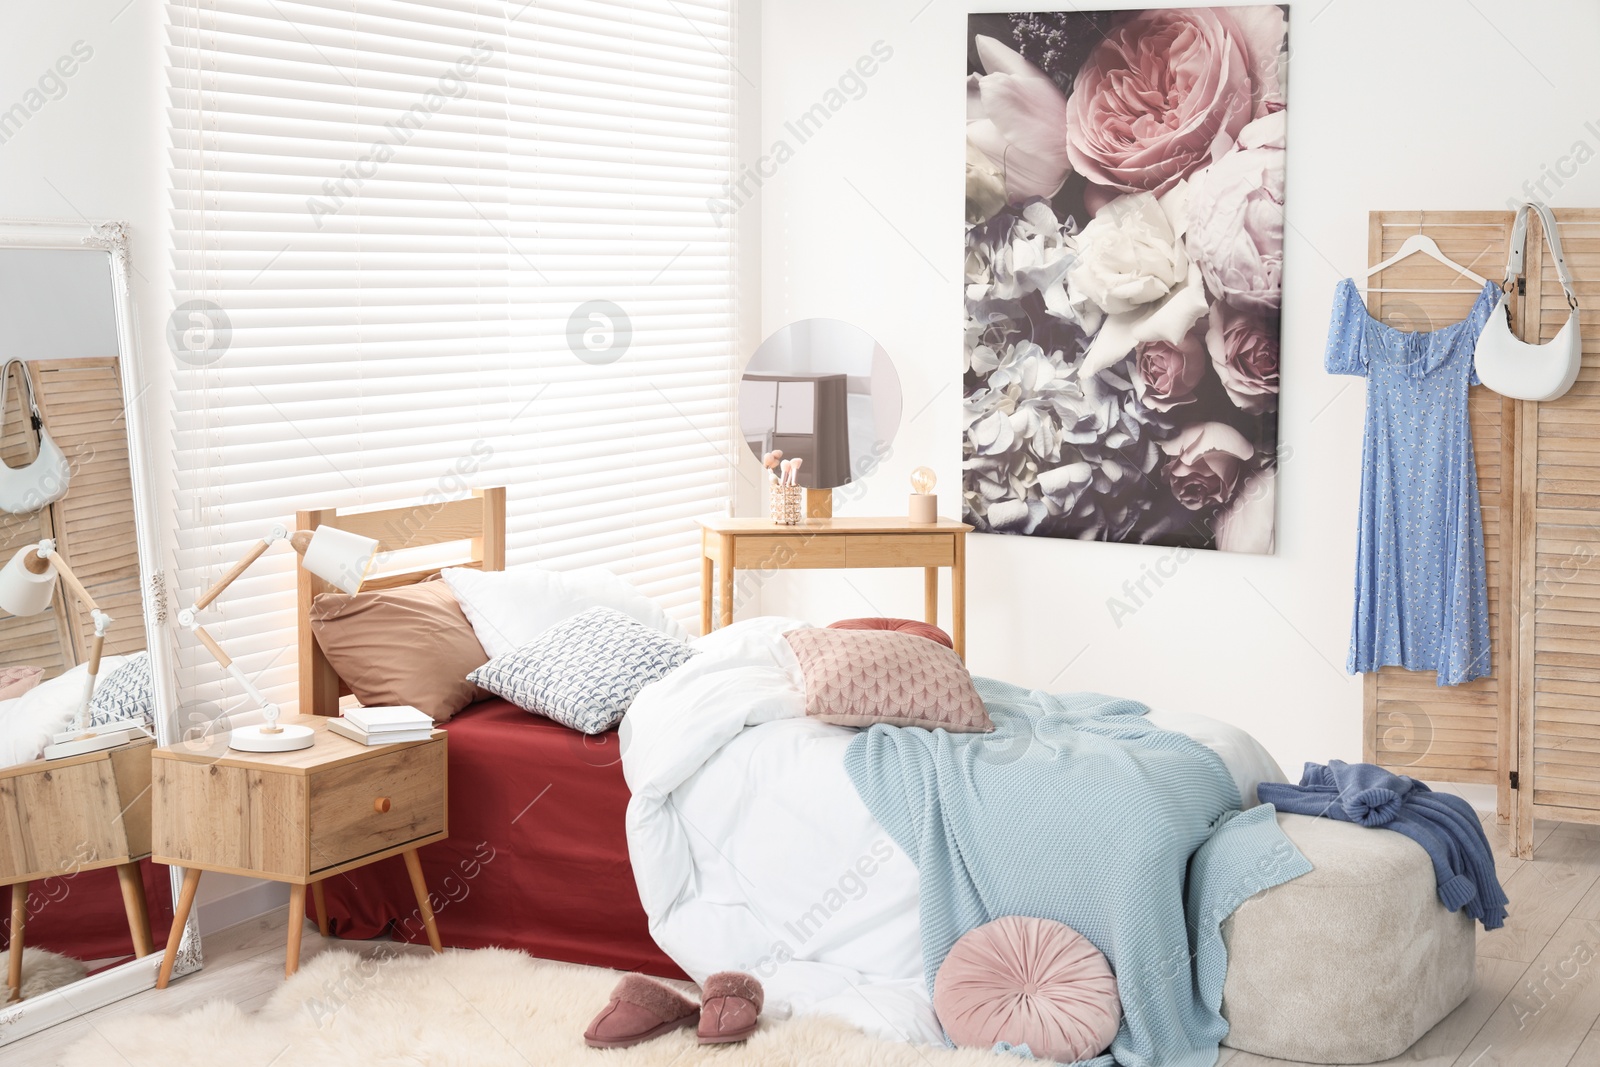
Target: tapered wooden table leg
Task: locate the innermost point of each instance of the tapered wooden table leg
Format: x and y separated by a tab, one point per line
19	922
320	899
134	904
930	595
420	888
958	597
180	918
706	578
297	922
725	582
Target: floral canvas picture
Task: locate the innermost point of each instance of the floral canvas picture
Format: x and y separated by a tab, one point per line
1123	273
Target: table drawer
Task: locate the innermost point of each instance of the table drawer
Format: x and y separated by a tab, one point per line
58	819
900	550
786	552
374	804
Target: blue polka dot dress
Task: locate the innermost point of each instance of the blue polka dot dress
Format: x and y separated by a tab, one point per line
1421	596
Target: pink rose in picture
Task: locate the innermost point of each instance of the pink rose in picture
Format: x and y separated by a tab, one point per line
1236	218
1154	95
1015	117
1205	464
1165	374
1244	349
1247	524
1262	31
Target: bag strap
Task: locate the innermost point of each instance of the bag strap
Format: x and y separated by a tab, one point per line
1552	236
27	388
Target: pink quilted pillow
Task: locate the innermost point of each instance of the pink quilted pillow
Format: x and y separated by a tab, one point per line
861	677
1029	982
14	681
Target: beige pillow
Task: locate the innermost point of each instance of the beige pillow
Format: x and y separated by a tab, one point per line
860	677
401	646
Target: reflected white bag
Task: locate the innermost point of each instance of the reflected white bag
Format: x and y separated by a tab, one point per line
1512	367
24	490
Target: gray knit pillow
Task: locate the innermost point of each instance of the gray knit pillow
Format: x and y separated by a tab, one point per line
125	693
585	671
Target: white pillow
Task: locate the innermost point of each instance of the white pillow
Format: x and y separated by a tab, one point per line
508	609
31	721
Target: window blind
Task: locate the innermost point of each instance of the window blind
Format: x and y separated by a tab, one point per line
421	247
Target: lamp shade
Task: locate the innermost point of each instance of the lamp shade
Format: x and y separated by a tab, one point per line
339	557
23	592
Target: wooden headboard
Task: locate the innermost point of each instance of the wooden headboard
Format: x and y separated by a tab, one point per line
479	520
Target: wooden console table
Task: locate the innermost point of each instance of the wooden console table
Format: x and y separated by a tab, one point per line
759	544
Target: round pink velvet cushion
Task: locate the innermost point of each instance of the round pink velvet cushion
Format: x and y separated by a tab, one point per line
909	626
1028	982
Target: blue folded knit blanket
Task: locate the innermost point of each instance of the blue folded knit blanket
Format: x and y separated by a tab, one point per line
1078	809
1444	825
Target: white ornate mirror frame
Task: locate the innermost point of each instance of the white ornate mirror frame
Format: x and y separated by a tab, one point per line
115	983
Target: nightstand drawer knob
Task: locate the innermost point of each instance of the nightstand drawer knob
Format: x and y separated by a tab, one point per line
381	805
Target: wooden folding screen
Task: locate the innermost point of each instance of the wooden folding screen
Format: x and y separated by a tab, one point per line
1533	727
1555	748
81	400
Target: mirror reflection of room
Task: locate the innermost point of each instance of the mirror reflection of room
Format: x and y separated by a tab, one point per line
74	828
824	392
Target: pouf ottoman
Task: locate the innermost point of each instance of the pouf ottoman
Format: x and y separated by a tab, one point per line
1351	963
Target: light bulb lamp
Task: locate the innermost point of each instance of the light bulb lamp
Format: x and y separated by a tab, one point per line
924	505
27	586
338	557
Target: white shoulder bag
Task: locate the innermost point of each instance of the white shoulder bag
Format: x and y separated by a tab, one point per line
24	490
1512	367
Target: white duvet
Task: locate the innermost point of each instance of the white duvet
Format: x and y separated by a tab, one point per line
753	852
30	722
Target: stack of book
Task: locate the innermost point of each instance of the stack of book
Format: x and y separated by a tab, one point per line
383	726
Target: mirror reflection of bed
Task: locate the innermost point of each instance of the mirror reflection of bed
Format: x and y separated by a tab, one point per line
62	832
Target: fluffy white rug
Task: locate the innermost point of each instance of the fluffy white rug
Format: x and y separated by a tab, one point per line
484	1008
43	970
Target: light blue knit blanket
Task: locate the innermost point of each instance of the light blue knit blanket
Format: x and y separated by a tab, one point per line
1079	810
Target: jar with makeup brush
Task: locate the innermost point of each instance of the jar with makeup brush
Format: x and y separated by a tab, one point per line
784	494
786	509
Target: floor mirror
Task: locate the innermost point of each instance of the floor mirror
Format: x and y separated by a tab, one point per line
85	671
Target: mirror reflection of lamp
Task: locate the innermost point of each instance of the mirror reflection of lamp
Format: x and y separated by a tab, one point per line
27	585
924	505
338	557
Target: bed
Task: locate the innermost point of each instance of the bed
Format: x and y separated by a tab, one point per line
715	829
537	857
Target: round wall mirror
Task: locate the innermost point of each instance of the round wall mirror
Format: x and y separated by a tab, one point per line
824	392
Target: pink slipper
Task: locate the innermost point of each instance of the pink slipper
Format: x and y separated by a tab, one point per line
730	1008
639	1010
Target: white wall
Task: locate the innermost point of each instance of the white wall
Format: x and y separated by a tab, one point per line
1429	104
94	148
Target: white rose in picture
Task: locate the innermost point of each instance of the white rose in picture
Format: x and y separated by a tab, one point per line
1132	265
1032	256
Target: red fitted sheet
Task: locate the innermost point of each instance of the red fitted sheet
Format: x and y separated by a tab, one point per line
83	916
537	857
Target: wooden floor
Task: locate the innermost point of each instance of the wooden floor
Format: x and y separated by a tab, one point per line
1537	1002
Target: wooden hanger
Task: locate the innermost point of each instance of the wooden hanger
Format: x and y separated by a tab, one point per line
1418	242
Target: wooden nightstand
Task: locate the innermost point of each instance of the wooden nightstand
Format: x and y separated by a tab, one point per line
297	817
81	813
759	544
